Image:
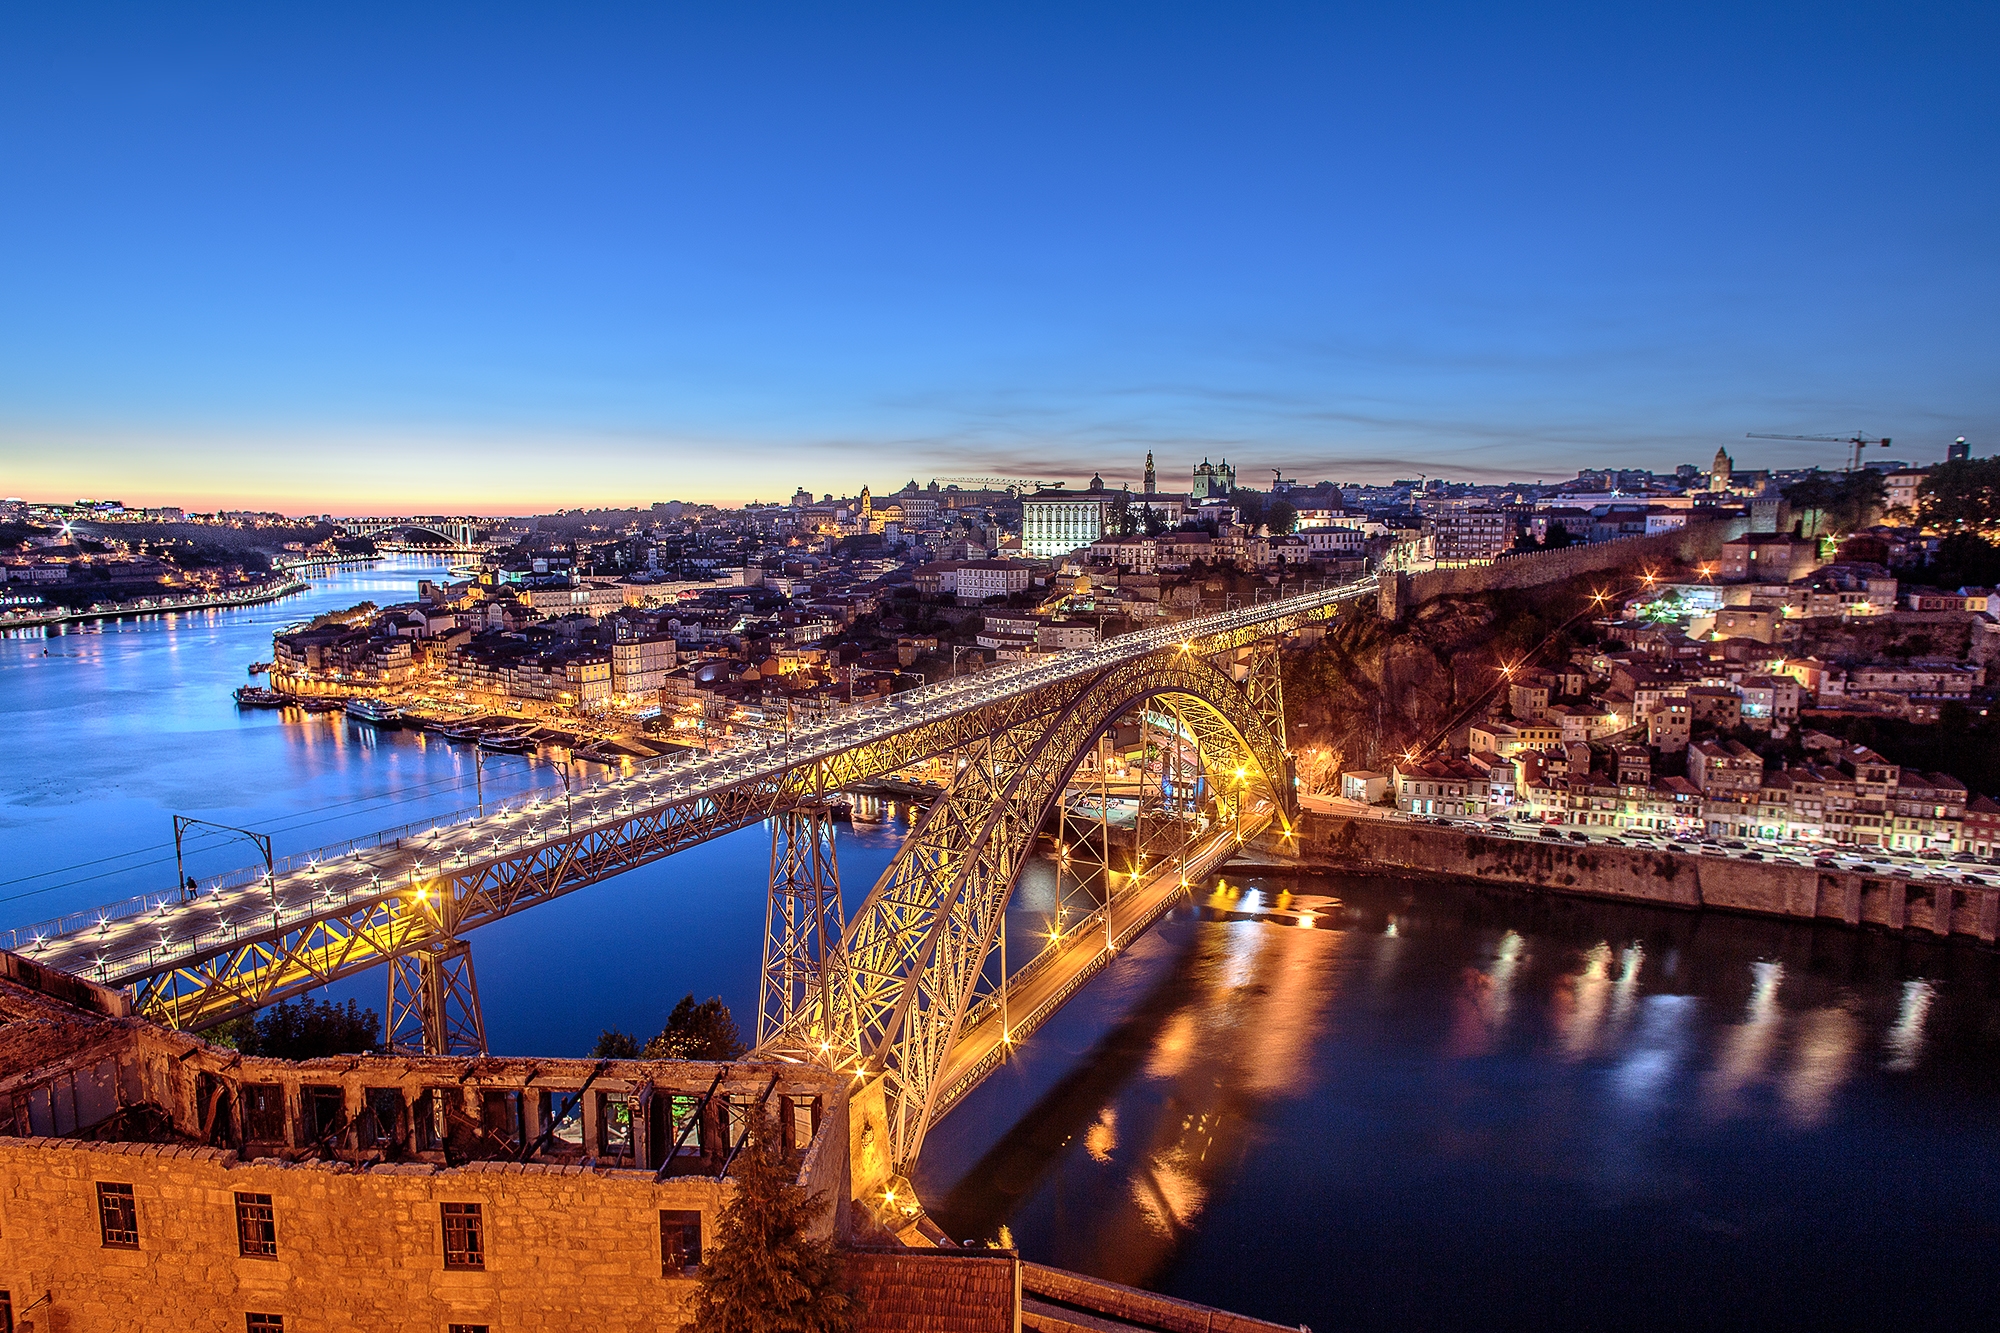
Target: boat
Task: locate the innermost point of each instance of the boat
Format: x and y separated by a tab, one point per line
259	668
469	732
507	742
253	696
376	711
321	705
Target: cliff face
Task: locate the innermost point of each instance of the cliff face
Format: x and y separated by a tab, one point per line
1372	690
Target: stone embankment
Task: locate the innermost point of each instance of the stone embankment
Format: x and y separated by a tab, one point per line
1637	874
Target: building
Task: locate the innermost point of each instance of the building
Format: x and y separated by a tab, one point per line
1721	768
639	666
976	580
1366	788
1900	491
1768	558
1471	536
1212	481
1055	522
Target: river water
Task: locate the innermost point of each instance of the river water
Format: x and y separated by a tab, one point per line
1433	1107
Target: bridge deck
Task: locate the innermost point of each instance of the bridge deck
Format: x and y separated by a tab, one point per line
1059	971
340	910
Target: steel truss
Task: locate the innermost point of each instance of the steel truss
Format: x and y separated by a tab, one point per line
215	958
911	958
802	921
434	1001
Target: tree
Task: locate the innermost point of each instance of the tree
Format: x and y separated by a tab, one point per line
1280	517
1556	538
306	1030
1965	560
766	1274
1962	496
1156	522
704	1031
615	1045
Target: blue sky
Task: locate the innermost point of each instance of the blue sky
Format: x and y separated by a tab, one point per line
507	258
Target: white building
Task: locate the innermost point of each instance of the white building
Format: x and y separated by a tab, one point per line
1055	523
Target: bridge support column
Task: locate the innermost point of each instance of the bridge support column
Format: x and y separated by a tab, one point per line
802	925
434	1001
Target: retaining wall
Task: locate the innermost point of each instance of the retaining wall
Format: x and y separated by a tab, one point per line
1667	879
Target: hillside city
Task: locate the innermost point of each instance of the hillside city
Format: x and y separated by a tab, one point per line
1715	702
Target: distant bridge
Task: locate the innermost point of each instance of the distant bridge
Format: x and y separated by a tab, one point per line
914	991
460	534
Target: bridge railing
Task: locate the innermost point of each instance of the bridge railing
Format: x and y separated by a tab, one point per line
903	709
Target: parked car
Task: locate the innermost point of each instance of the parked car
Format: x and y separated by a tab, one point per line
1751	856
1552	833
1710	849
1579	837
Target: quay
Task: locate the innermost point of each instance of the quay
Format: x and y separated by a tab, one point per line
1922	906
156	606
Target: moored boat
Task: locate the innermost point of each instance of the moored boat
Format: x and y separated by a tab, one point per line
253	696
259	668
376	711
507	742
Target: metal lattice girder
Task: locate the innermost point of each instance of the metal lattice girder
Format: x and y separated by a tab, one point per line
917	946
197	963
802	921
434	1001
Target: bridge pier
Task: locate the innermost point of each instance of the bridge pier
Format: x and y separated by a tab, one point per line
434	1001
802	921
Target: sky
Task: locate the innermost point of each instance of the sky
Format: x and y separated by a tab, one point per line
505	259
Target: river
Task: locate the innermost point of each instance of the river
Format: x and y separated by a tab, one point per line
1434	1107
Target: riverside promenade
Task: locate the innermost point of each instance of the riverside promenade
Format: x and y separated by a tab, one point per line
249	595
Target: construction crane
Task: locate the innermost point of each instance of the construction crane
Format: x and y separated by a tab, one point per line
1856	442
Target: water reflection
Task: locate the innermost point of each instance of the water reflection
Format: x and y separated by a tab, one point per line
1514	1088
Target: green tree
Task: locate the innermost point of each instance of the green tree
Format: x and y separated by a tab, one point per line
1965	560
306	1030
1156	522
615	1045
1281	517
1962	496
704	1031
766	1273
1557	537
1836	502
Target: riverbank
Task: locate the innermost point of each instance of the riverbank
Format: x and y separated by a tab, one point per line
1643	875
160	606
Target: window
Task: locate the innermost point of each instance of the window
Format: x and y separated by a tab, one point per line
614	1124
464	1244
687	1125
500	1114
118	1215
6	1313
264	1112
381	1122
325	1112
680	1241
449	1328
265	1323
256	1226
736	1120
562	1116
801	1122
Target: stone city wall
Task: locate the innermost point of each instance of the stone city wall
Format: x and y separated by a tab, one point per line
1696	542
565	1247
1637	874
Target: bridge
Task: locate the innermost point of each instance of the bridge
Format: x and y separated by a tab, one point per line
425	533
913	992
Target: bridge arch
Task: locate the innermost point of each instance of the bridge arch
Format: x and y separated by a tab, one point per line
901	981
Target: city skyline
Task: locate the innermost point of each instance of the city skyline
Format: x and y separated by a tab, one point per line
505	264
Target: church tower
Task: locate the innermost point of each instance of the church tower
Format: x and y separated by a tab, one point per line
1718	472
1149	472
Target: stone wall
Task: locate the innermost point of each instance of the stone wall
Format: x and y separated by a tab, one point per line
1665	878
358	1248
1689	545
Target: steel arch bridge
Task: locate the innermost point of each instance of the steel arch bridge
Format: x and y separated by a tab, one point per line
891	993
892	998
